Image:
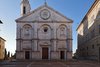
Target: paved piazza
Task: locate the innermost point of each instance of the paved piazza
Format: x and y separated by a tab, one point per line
50	64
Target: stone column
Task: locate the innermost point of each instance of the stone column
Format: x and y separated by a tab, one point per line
69	52
35	45
32	45
65	55
69	45
18	45
54	31
49	53
55	45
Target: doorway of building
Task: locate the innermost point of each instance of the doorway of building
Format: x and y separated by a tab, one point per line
62	53
45	53
27	55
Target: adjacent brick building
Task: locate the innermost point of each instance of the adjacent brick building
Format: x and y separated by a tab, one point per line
89	34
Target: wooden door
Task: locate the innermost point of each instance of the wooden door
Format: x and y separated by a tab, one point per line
44	53
62	54
27	55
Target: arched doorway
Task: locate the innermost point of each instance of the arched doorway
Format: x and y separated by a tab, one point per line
44	52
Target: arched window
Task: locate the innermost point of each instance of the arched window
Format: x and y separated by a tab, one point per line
45	29
27	30
62	32
44	32
24	10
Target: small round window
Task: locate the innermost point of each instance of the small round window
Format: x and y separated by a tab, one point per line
45	29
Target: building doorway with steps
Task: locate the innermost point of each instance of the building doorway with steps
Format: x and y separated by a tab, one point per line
45	53
62	55
27	54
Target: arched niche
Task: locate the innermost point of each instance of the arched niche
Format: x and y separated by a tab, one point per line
62	32
44	32
27	31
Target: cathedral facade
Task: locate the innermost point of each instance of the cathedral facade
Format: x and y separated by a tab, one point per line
43	34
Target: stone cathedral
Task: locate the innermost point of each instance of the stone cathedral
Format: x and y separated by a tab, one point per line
43	33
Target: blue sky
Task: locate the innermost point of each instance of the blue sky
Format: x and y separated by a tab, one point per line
10	10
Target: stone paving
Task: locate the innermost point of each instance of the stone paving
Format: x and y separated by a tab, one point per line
49	64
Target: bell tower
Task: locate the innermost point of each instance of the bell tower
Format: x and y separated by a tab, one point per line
25	7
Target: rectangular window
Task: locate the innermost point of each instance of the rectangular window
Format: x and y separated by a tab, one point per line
24	10
92	46
87	48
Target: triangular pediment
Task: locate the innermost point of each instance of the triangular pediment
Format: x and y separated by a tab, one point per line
36	15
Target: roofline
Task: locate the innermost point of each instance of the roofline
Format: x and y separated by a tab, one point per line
42	21
2	38
41	7
91	8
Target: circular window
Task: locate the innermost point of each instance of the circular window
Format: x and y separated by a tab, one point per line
45	29
45	14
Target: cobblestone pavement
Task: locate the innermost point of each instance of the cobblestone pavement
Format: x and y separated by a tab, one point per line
50	64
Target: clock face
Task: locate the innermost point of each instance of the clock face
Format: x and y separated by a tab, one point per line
45	14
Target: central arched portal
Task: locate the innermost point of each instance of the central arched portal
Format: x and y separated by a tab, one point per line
45	52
